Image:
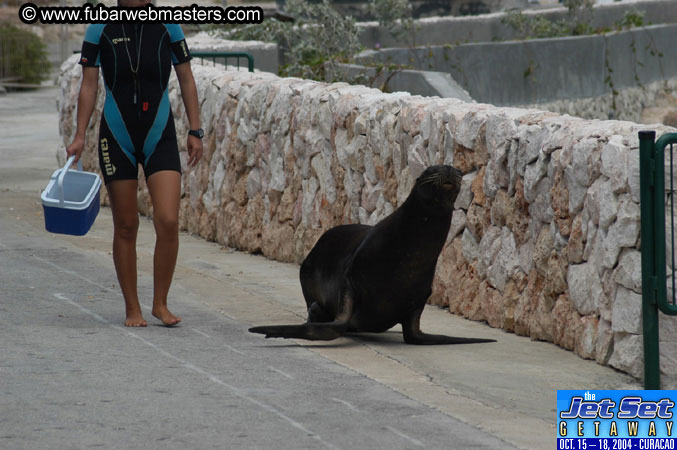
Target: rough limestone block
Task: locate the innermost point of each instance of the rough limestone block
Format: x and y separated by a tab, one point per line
628	354
626	313
615	164
458	222
465	195
585	287
628	273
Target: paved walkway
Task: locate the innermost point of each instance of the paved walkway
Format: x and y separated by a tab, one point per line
69	371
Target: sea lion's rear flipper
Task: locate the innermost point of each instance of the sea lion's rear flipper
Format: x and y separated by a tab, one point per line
411	330
316	314
309	331
314	331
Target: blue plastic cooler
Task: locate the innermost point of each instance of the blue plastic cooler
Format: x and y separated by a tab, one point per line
71	200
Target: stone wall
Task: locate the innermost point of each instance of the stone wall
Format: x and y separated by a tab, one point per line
627	104
543	71
490	27
544	241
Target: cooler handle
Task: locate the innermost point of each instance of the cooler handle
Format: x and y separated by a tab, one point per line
63	174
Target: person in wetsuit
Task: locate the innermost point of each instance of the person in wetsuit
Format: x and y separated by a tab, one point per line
137	128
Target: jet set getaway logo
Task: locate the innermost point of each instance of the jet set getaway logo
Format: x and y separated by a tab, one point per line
615	420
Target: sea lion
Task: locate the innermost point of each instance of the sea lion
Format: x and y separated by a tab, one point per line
361	278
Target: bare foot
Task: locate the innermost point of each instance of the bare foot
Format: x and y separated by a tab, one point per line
167	318
135	320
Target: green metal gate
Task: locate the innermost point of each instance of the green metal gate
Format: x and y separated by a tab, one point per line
656	200
226	56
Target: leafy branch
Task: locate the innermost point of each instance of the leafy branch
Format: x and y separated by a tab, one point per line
318	35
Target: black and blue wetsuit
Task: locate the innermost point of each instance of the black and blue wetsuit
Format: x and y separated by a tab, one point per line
137	125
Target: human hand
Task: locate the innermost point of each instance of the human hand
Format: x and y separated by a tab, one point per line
76	148
194	146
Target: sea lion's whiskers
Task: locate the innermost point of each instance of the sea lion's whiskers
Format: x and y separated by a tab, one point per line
434	178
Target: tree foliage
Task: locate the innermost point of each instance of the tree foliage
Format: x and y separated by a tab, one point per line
22	55
318	35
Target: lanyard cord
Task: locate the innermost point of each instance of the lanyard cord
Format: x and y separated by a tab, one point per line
135	71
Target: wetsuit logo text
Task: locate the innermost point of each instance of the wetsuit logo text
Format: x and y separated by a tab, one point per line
110	168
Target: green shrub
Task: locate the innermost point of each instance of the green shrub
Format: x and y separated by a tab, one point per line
535	27
318	35
577	22
22	55
395	16
631	19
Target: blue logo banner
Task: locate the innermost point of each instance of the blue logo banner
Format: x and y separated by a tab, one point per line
621	419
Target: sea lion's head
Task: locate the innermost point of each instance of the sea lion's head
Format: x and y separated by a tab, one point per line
438	186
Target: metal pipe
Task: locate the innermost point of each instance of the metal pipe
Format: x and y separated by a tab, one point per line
647	169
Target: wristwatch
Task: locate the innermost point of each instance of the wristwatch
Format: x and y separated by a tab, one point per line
199	133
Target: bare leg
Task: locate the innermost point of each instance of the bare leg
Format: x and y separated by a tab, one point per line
165	192
122	195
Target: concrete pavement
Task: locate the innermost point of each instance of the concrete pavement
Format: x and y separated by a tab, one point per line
210	380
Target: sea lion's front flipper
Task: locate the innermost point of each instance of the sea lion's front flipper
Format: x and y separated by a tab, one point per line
411	329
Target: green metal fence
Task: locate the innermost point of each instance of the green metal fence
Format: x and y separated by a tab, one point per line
213	56
658	248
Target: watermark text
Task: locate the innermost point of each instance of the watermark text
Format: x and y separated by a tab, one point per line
88	13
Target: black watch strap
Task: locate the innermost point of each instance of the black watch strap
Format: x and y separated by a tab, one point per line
199	133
